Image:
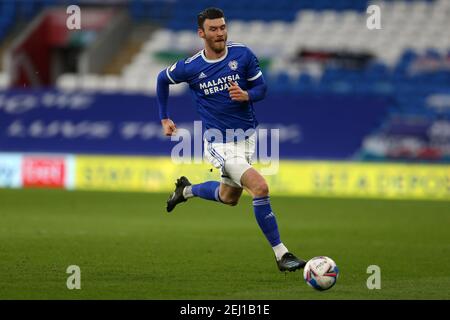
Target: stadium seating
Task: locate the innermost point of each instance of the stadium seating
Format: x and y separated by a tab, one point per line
264	10
316	27
13	10
308	46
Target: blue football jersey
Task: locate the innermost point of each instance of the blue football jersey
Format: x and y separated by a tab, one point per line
209	82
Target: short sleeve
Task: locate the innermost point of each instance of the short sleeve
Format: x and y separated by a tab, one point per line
176	72
253	69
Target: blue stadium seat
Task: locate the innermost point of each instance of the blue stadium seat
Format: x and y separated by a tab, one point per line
265	10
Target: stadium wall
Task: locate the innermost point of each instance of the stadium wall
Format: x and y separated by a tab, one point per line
294	178
82	140
83	122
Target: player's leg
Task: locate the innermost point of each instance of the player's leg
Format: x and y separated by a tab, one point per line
238	171
210	190
227	191
215	191
229	194
178	195
257	186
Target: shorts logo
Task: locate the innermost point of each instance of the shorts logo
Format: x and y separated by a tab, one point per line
173	67
233	64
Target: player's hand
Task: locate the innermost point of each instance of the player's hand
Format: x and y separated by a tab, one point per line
168	127
236	93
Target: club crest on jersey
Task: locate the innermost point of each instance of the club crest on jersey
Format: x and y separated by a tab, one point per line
233	64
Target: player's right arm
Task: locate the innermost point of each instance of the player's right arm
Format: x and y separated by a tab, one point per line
172	75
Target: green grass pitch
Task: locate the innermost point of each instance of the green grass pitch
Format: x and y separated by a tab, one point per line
128	247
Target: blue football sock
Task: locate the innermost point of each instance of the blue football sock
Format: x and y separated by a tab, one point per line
207	190
266	220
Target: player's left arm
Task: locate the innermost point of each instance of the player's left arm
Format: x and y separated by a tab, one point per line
256	84
256	91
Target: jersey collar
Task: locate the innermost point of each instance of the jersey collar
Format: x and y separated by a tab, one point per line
216	60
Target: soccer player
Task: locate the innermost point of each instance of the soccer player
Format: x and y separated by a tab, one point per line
225	79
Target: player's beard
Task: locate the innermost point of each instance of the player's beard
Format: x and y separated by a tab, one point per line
218	47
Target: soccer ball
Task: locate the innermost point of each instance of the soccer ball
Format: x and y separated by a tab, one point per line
321	273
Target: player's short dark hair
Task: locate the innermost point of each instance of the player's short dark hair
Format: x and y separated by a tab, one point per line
209	13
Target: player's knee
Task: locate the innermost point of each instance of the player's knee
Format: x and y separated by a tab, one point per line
233	203
230	201
261	190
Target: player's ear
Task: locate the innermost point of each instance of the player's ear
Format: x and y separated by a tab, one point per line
201	33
